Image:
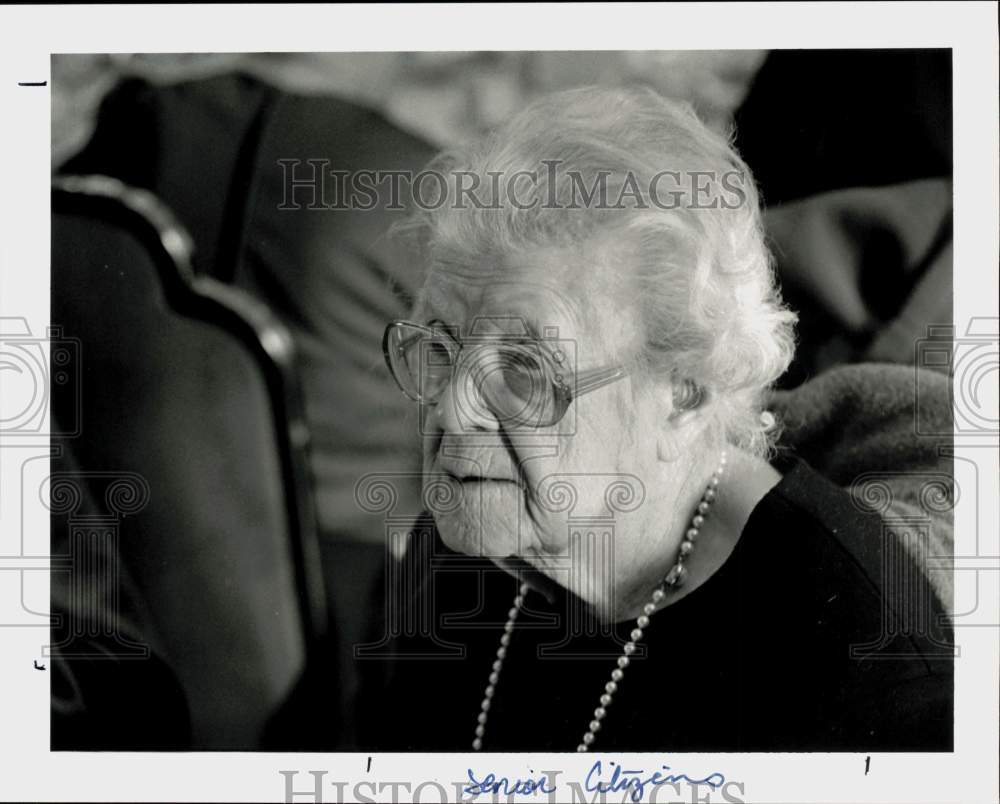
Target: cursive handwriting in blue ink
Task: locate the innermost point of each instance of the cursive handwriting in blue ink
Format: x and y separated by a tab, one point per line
631	780
490	783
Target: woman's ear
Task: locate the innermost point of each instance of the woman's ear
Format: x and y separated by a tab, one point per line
683	404
688	396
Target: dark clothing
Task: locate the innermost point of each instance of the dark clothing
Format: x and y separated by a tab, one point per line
851	151
800	642
821	120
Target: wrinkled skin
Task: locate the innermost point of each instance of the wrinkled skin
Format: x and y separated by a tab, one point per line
502	476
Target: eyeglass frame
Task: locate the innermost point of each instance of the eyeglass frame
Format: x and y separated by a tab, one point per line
584	382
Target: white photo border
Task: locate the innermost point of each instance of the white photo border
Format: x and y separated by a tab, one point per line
28	37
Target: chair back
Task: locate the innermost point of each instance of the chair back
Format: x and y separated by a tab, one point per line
188	385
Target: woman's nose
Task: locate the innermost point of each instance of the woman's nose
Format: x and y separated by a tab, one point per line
461	407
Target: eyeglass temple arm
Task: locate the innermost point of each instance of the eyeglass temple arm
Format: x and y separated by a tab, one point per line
587	381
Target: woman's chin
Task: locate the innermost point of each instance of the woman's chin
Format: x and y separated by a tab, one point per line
473	531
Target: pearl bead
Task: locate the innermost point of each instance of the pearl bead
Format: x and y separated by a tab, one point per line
643	621
698	520
617	674
636	634
629	648
611	687
485	705
606	700
703	507
588	738
715	480
581	749
480	730
497	664
525	588
488	692
658	595
501	652
686	548
482	717
595	725
649	608
623	661
477	744
709	494
518	601
512	614
600	712
692	534
494	678
505	640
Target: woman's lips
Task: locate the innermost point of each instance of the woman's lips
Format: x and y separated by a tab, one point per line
474	478
477	466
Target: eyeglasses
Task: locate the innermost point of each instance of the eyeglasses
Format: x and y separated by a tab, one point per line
523	383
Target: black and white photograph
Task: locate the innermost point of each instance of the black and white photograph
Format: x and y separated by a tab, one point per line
409	421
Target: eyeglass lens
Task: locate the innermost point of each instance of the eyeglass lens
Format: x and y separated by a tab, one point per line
512	378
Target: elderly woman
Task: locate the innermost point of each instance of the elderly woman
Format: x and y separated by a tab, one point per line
609	559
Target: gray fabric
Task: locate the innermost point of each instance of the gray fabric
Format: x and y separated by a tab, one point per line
884	432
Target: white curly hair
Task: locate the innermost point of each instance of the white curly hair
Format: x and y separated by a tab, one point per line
704	284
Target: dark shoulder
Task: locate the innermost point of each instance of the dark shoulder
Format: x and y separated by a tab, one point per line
854	631
856	576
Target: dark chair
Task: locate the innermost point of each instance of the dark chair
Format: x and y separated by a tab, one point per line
187	390
210	148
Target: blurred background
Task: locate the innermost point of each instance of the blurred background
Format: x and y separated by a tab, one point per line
443	97
230	349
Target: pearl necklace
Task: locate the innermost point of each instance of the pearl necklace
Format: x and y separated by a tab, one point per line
674	578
